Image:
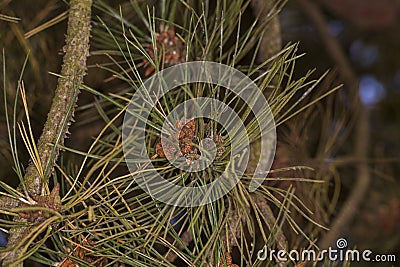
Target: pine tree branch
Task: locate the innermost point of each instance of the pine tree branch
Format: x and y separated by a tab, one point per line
66	94
271	44
60	114
265	209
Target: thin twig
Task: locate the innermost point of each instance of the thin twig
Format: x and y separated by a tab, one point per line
269	216
331	44
60	114
186	238
360	188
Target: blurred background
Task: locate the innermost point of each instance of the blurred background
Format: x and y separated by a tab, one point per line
367	32
358	40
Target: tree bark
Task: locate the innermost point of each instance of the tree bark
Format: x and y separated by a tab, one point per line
58	120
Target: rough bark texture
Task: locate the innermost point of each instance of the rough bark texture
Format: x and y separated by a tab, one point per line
59	117
271	42
61	112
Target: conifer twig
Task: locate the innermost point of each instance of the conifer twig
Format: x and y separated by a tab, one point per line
60	115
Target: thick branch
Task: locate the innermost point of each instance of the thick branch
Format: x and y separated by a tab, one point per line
61	111
271	42
66	94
